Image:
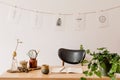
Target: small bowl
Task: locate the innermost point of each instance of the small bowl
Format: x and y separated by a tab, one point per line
23	64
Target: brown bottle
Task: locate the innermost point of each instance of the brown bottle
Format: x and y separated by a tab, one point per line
33	63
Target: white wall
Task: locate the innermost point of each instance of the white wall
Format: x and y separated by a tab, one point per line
47	38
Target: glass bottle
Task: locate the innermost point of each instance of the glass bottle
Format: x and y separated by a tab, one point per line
14	64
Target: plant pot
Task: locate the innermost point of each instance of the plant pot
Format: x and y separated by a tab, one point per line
105	68
45	69
103	71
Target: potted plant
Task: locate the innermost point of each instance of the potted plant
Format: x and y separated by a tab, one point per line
103	63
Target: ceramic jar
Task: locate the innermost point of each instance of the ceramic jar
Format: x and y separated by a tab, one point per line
45	69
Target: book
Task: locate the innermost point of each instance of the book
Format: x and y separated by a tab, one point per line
67	70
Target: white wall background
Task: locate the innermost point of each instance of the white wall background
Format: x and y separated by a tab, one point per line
47	38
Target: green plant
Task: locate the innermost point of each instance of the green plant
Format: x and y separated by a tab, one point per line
83	61
103	63
81	47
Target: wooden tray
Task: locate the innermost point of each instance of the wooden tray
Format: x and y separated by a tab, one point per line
29	69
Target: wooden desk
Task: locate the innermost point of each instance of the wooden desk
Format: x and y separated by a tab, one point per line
37	75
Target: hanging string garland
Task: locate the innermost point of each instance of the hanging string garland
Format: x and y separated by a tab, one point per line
59	21
37	11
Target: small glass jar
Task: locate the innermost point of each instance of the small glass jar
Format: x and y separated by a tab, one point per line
32	63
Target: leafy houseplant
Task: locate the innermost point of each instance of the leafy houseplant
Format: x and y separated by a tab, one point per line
103	63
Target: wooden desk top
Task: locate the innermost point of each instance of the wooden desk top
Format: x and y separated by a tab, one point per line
37	75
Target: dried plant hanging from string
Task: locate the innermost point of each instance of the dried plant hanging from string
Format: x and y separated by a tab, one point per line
80	21
103	19
60	22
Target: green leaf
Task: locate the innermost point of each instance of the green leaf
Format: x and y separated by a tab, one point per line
102	64
94	67
90	73
113	78
106	52
83	62
89	65
114	68
101	48
86	73
81	47
118	68
98	73
82	78
88	51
